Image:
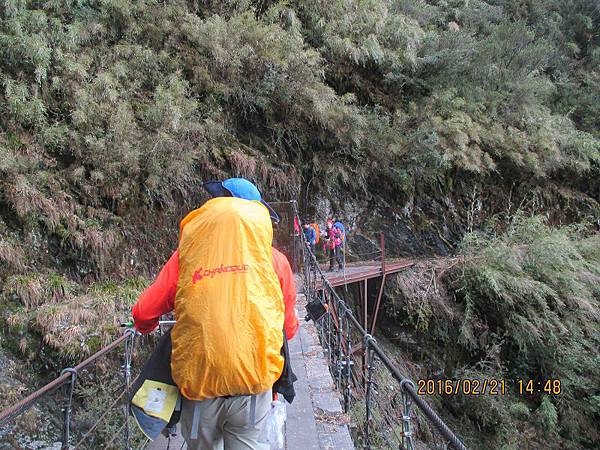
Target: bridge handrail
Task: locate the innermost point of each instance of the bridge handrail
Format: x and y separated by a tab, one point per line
405	383
68	375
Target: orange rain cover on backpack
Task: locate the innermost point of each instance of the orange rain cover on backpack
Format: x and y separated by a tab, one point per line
317	231
229	306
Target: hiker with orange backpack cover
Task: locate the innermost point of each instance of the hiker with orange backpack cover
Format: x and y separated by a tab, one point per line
233	295
311	236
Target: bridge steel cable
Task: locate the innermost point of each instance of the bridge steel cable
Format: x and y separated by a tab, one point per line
69	377
19	408
345	315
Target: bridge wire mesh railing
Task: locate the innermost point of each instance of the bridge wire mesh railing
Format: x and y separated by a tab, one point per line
385	406
84	417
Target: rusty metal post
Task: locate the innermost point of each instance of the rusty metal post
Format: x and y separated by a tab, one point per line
382	244
292	232
366	325
365	303
360	301
380	293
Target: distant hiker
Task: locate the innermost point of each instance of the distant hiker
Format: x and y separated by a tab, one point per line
311	236
333	243
327	244
341	248
234	298
340	226
296	227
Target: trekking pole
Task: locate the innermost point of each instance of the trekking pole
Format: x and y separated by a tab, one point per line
131	324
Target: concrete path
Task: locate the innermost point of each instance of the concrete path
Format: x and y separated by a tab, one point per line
314	420
317	404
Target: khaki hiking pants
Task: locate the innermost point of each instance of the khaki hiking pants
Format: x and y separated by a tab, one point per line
225	423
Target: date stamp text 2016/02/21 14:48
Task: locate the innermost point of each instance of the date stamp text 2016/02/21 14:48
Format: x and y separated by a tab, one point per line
487	386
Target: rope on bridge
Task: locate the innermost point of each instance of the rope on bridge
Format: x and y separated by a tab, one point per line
337	343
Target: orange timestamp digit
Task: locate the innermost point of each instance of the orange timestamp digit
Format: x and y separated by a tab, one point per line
461	386
551	386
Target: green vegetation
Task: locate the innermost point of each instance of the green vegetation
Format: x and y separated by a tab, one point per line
74	324
521	304
426	116
114	111
533	294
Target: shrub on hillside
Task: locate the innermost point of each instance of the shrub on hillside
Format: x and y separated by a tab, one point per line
538	289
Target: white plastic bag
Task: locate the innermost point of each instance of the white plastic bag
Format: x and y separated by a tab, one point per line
272	432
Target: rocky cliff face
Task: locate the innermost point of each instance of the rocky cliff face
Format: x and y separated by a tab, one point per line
434	221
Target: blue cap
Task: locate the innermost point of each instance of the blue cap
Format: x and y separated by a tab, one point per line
239	188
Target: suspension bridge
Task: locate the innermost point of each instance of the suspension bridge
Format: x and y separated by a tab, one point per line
350	392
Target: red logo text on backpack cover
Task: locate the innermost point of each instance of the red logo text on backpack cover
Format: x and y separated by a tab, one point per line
201	273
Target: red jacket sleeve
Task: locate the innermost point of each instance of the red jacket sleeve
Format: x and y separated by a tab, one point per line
288	287
158	298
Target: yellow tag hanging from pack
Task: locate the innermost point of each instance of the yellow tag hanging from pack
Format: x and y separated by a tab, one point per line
156	399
